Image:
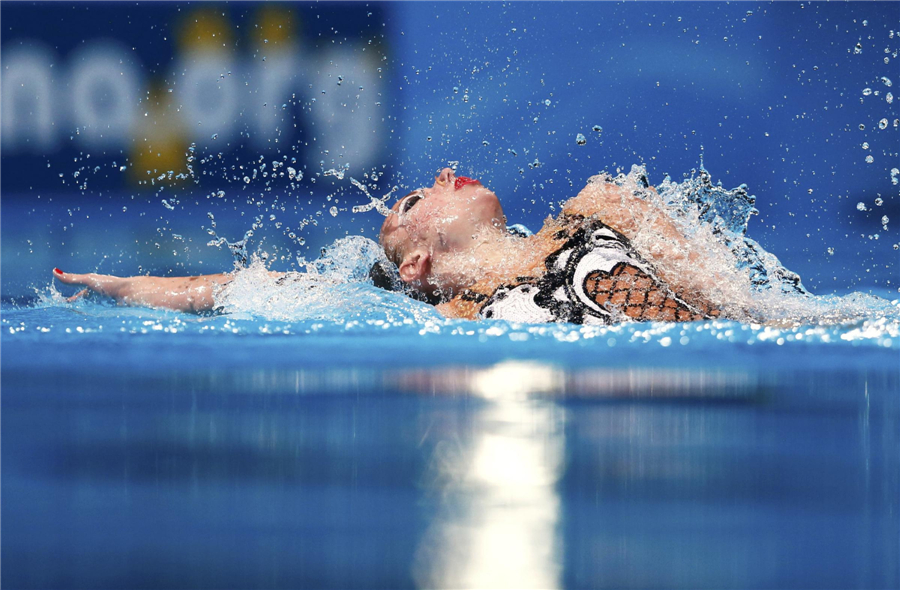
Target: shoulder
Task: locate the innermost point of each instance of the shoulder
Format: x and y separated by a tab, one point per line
621	202
465	306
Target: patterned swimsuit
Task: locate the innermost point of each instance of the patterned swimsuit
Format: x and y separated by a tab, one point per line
596	277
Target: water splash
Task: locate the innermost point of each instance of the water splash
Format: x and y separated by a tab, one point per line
239	249
335	287
727	213
715	220
374	203
371	315
338	172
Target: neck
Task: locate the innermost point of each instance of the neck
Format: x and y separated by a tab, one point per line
495	258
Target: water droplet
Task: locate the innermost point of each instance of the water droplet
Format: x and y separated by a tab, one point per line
547	102
215	136
597	128
858	49
867	91
865	145
879	202
810	191
339	80
860	206
889	98
831	251
428	138
333	211
884	220
456	90
886	81
220	194
124	209
869	159
883	124
580	139
862	127
247	180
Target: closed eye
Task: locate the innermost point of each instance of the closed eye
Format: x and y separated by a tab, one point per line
410	202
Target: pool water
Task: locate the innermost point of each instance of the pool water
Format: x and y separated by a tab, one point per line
144	448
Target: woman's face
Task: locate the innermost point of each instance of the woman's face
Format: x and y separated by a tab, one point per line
445	218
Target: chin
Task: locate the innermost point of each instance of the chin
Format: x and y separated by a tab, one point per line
488	203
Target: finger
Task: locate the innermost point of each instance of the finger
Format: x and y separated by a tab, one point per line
79	295
96	282
70	278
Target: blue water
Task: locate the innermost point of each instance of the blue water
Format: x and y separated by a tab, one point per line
145	448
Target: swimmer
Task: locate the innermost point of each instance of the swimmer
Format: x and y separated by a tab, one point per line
452	248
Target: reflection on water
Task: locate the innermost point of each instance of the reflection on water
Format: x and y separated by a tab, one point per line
512	475
520	380
497	518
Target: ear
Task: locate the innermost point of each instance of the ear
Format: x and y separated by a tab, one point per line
416	266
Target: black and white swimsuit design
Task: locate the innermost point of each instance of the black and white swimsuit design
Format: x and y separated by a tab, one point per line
595	278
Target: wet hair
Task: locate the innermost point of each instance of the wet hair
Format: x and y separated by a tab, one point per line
393	249
385	275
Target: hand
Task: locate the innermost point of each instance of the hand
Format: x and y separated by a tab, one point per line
107	285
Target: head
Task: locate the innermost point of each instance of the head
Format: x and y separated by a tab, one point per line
433	226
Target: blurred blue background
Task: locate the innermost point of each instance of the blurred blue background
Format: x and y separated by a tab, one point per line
101	103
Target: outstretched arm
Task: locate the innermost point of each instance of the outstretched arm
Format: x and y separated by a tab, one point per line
194	294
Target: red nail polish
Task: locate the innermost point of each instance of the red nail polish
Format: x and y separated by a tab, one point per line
57	271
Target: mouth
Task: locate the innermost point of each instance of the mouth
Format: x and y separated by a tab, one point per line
462	181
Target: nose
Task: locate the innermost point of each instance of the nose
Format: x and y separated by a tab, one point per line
445	178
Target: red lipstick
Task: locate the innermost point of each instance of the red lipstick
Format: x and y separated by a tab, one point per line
462	181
